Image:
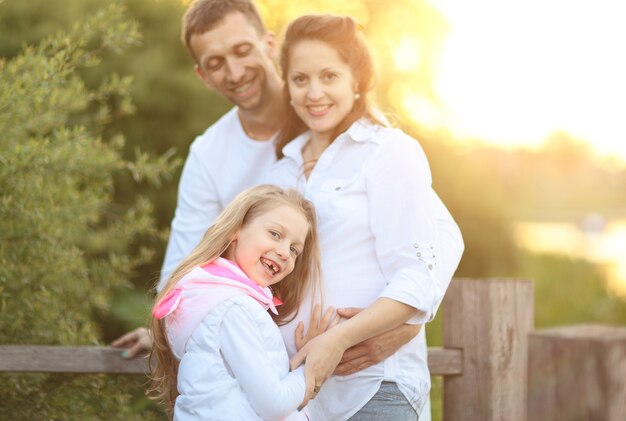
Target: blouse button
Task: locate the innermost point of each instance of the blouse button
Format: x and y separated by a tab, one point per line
430	267
416	245
337	188
419	254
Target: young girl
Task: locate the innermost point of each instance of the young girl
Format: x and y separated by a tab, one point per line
219	354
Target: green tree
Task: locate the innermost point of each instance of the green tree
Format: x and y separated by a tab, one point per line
64	241
171	107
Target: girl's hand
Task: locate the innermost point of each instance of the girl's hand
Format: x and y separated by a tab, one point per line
318	324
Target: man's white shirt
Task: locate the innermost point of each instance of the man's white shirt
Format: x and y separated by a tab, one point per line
222	162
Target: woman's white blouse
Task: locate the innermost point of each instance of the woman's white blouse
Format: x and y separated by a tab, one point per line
383	233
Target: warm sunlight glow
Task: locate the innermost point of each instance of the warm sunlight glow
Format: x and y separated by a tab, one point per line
601	245
421	109
512	72
406	55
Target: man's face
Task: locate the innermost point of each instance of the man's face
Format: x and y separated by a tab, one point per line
236	61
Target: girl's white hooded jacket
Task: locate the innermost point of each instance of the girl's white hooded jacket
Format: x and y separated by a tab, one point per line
233	362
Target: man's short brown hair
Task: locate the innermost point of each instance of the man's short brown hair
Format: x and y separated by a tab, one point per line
203	15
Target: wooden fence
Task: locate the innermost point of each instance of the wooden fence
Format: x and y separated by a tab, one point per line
494	366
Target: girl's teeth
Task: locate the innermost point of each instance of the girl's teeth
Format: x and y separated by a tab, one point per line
270	266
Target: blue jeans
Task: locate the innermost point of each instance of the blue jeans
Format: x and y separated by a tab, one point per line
387	404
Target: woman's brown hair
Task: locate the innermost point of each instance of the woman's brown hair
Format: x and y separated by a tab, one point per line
343	34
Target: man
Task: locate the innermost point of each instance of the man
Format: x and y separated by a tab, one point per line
233	56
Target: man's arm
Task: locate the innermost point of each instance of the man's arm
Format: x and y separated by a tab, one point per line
197	208
137	343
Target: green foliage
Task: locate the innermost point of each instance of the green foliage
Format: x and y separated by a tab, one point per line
170	106
64	242
570	291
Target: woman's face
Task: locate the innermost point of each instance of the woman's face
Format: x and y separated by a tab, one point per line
321	86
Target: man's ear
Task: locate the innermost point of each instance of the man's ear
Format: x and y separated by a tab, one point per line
271	44
203	76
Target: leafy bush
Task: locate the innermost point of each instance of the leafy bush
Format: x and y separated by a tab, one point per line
64	242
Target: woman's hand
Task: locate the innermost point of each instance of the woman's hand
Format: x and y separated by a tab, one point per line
318	324
322	355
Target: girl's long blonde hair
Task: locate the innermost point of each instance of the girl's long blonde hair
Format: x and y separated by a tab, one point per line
291	290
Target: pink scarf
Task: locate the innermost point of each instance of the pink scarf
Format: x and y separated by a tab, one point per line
225	272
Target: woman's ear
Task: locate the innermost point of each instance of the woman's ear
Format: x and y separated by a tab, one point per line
271	45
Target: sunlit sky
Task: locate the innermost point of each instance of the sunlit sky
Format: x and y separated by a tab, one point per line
512	72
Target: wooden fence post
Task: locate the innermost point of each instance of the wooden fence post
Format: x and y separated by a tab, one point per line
577	373
490	321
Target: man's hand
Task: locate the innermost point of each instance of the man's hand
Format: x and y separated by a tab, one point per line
376	348
138	343
318	324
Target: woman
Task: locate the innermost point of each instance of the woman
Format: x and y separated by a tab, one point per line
378	218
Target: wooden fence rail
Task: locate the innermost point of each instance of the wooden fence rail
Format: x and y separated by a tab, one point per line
68	359
487	326
95	359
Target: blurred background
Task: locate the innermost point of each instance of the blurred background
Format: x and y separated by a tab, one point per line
519	106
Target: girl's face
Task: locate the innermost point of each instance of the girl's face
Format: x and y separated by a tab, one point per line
321	86
267	246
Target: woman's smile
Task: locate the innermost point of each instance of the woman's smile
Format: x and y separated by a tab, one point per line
321	86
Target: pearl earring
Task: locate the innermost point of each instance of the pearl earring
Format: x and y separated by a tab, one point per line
291	102
357	96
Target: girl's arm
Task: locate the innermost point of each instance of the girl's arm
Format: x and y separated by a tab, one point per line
245	354
243	337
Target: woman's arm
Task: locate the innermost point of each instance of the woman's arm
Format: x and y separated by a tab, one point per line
403	220
324	352
375	349
404	217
